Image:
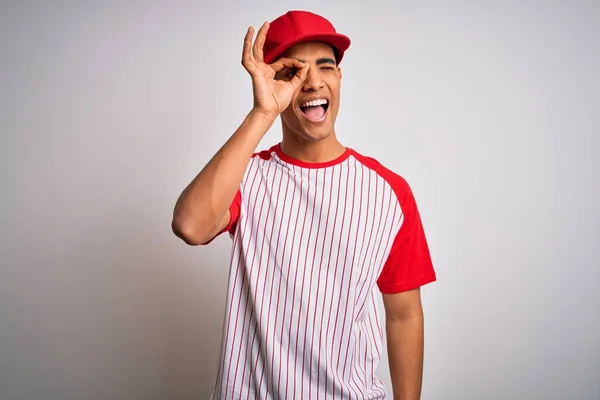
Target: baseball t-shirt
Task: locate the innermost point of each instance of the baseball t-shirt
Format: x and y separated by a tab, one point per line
313	244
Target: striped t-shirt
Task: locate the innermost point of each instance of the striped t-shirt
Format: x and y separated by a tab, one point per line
312	243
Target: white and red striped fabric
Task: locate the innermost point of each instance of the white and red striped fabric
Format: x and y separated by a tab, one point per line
311	244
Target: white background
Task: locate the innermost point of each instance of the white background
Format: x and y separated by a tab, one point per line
489	109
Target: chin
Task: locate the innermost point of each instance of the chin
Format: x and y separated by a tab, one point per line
312	131
312	134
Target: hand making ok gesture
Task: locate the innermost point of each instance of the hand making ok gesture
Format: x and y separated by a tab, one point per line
271	96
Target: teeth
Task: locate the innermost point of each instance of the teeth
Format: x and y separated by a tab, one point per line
314	103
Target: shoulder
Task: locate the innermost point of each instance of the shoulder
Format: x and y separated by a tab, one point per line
265	154
260	159
397	182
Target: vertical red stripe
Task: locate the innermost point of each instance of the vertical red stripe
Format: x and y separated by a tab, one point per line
348	290
252	320
338	300
298	267
314	206
286	300
314	257
370	246
328	360
326	291
275	268
357	349
266	267
290	177
247	304
365	212
240	267
316	300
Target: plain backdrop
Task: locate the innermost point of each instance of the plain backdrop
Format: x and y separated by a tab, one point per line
490	110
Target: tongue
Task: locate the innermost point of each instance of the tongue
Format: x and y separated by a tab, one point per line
315	112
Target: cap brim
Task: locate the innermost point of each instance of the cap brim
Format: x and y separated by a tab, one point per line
340	42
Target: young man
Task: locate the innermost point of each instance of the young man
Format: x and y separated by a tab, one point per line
317	229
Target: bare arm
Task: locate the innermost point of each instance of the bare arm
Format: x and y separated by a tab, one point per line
404	330
202	209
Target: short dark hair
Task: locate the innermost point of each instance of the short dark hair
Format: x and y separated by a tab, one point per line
336	53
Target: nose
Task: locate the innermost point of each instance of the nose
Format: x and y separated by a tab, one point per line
313	81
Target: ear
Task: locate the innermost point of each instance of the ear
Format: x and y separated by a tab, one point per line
340	72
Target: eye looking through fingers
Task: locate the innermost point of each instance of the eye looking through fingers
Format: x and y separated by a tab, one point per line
287	74
292	72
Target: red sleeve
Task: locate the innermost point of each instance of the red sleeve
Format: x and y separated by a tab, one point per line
409	264
234	210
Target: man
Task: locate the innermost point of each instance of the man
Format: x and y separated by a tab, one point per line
317	228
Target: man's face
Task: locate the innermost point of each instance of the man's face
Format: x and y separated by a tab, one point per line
314	107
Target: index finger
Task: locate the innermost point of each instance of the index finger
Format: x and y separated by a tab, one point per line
260	42
282	63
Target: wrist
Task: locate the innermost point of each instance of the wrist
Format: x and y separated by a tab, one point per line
261	119
262	115
256	124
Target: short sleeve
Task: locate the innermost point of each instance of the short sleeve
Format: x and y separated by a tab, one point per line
409	264
234	210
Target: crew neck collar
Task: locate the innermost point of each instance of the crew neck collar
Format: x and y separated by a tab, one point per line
305	164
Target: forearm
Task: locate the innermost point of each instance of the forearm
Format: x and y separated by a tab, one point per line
405	354
205	201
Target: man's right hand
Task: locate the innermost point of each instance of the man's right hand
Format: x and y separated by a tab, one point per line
271	96
202	210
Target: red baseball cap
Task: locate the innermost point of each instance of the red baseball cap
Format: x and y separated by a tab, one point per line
296	27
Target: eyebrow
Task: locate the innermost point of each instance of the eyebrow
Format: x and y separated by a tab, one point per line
322	60
325	60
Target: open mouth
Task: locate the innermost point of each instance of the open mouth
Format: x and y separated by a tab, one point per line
315	110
